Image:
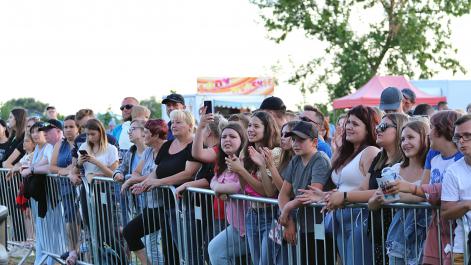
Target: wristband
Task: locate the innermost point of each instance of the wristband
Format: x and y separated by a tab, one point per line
345	200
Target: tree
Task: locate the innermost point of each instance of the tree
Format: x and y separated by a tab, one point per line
154	106
33	106
411	38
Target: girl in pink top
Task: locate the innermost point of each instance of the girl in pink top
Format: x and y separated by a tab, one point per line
256	178
230	242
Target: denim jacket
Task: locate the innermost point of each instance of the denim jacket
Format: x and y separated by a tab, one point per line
406	235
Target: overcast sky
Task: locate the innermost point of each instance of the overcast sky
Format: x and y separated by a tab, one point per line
75	54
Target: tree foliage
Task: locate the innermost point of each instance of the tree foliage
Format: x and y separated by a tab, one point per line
411	38
33	106
154	106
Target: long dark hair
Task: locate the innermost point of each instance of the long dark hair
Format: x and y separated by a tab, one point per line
286	155
221	159
20	122
347	151
398	120
271	137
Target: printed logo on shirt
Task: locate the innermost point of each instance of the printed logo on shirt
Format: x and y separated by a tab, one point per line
436	176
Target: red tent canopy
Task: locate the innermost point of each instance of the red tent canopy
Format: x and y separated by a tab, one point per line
370	93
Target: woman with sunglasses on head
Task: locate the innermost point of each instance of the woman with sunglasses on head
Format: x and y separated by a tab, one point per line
406	232
389	139
441	140
257	181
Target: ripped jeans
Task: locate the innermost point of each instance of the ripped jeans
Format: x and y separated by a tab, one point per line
353	243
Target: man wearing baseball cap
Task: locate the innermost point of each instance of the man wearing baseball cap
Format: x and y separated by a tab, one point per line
408	100
391	100
173	102
53	131
276	107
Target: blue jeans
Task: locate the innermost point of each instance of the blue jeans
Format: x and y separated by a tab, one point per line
353	243
258	222
396	261
226	246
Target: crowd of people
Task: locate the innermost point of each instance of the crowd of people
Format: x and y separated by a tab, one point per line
297	158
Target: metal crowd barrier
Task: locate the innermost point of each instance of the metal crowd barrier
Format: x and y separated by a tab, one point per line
193	229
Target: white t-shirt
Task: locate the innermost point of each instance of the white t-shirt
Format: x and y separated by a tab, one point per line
107	158
456	186
43	152
123	141
439	165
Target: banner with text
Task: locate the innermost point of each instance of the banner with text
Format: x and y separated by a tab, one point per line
236	85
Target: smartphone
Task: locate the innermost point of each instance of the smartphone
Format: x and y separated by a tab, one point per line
83	152
209	106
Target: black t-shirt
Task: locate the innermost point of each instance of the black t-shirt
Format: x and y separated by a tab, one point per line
3	151
16	143
171	164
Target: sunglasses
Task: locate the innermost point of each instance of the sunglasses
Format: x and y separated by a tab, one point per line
127	106
384	126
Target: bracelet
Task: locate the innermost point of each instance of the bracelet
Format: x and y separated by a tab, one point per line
415	190
345	199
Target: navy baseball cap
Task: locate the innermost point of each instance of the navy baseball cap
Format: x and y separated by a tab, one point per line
52	123
391	98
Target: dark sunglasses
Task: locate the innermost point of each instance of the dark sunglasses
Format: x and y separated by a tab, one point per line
127	106
384	126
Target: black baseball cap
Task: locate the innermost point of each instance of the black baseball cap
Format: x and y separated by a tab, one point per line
409	94
273	103
177	98
50	124
304	130
391	99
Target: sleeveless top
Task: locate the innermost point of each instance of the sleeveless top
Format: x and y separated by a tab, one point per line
350	176
64	158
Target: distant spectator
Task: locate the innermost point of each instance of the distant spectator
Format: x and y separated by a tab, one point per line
51	112
240	118
408	100
442	105
4	141
173	102
291	116
391	100
276	107
468	108
30	121
140	112
317	118
120	132
423	110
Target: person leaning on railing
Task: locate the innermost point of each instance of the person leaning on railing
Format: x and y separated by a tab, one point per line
406	233
456	190
441	135
175	166
309	167
155	135
349	170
